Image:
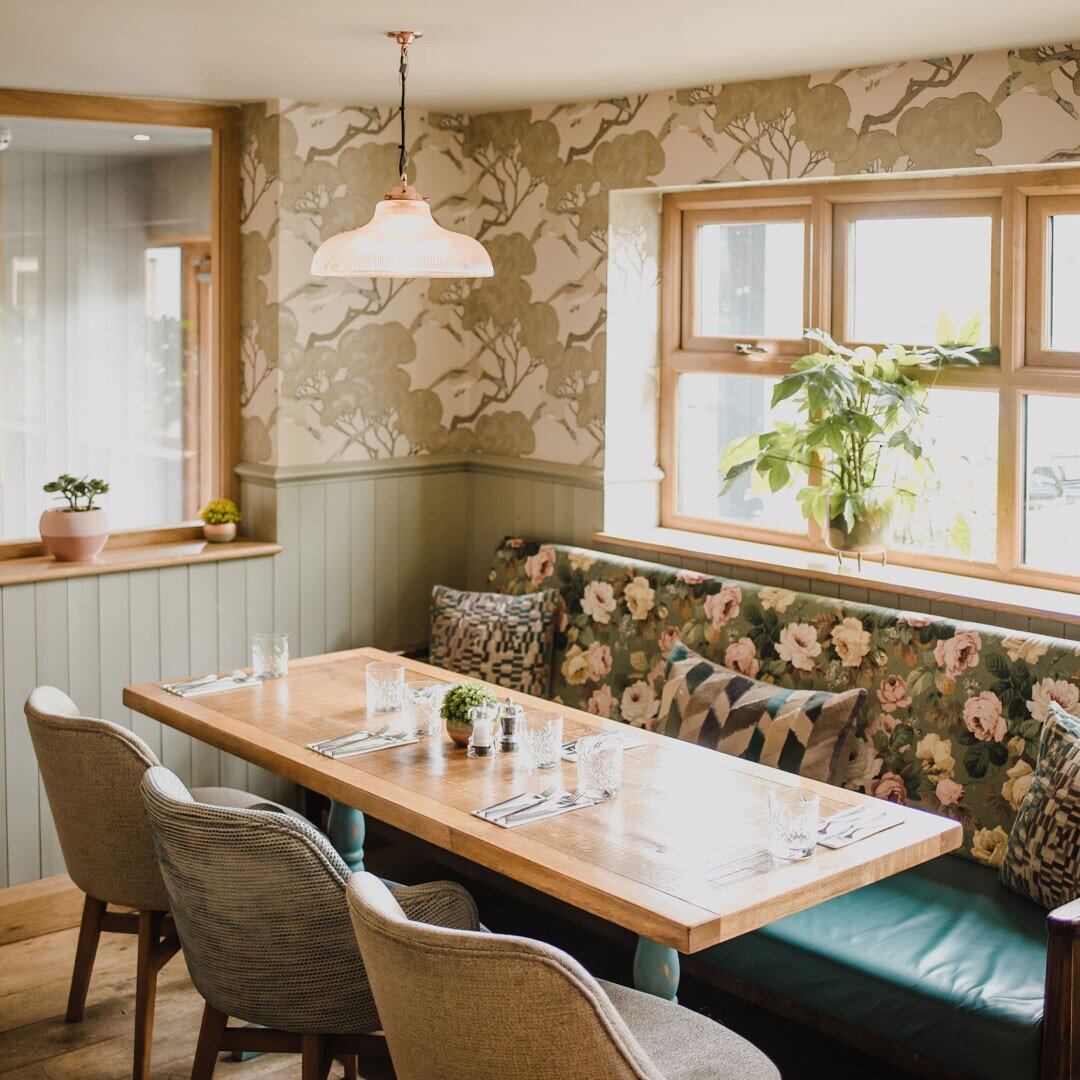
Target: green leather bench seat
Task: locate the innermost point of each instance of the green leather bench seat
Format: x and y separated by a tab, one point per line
942	960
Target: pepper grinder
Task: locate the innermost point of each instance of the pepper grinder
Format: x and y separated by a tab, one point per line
510	715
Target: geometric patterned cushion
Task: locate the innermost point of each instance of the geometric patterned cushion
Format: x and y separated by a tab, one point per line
1042	860
506	640
800	731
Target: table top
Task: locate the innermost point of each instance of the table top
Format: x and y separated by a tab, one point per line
647	860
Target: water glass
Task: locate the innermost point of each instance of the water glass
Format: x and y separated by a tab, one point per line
793	823
541	740
269	655
599	765
423	703
385	687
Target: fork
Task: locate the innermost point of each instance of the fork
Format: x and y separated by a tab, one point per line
349	749
526	813
849	831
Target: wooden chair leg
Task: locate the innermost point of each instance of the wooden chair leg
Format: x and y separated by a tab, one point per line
349	1061
209	1045
85	952
315	1057
146	990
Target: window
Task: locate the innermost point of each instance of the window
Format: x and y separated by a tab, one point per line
914	261
112	339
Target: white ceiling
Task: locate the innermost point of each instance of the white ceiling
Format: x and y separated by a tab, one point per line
480	54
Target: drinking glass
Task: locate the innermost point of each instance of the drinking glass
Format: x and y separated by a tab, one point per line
599	765
541	740
793	823
269	655
385	687
423	703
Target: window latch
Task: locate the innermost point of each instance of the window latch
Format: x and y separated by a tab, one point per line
745	348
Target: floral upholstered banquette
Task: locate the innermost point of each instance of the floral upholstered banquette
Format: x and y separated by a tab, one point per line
953	711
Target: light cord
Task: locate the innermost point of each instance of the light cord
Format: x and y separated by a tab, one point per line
403	156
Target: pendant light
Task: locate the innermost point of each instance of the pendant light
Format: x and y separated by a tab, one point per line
402	239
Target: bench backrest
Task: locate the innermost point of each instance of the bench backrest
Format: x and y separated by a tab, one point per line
953	713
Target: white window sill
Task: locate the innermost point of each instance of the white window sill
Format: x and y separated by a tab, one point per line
950	595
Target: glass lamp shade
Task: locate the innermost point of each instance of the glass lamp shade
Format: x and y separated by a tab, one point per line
402	240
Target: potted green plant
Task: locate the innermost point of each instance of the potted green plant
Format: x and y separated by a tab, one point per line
457	701
76	532
220	518
857	451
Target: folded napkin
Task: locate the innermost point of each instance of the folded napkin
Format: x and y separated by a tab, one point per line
218	686
538	810
629	741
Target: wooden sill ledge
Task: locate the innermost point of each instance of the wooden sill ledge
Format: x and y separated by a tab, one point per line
929	585
122	558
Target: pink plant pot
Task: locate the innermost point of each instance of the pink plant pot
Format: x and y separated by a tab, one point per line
74	535
220	534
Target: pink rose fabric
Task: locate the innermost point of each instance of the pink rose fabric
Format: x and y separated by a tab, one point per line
541	566
722	607
893	693
889	787
982	717
741	656
958	653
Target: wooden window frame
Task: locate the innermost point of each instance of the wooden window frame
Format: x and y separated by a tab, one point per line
221	392
1040	353
1011	195
845	214
693	221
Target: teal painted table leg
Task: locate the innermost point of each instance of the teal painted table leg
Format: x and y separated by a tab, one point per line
346	829
656	969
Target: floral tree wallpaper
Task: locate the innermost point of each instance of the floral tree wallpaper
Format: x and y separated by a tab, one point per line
516	364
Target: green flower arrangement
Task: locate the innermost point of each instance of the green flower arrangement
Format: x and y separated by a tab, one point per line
73	488
458	700
220	512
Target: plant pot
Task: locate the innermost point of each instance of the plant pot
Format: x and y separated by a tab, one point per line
74	535
459	731
869	535
221	533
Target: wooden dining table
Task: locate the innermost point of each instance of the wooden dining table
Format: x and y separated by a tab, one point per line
663	859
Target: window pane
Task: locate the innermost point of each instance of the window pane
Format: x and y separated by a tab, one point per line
750	280
1064	282
714	410
957	515
104	317
1052	497
906	273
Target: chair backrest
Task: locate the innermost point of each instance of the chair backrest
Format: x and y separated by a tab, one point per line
258	899
91	770
457	1003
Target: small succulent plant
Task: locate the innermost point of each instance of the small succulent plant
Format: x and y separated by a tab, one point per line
220	512
79	491
462	697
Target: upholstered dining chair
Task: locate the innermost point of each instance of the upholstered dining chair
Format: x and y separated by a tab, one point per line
91	771
495	1007
259	904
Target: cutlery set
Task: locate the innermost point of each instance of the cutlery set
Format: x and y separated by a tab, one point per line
528	806
212	684
361	742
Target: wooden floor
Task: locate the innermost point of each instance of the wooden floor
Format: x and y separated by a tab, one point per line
35	1042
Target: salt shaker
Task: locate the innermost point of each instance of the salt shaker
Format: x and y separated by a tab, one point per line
482	736
510	715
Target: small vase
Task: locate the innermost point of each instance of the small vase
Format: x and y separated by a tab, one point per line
867	536
221	533
459	731
74	535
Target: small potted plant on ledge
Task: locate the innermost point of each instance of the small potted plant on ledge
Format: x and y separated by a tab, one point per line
857	451
76	532
220	519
